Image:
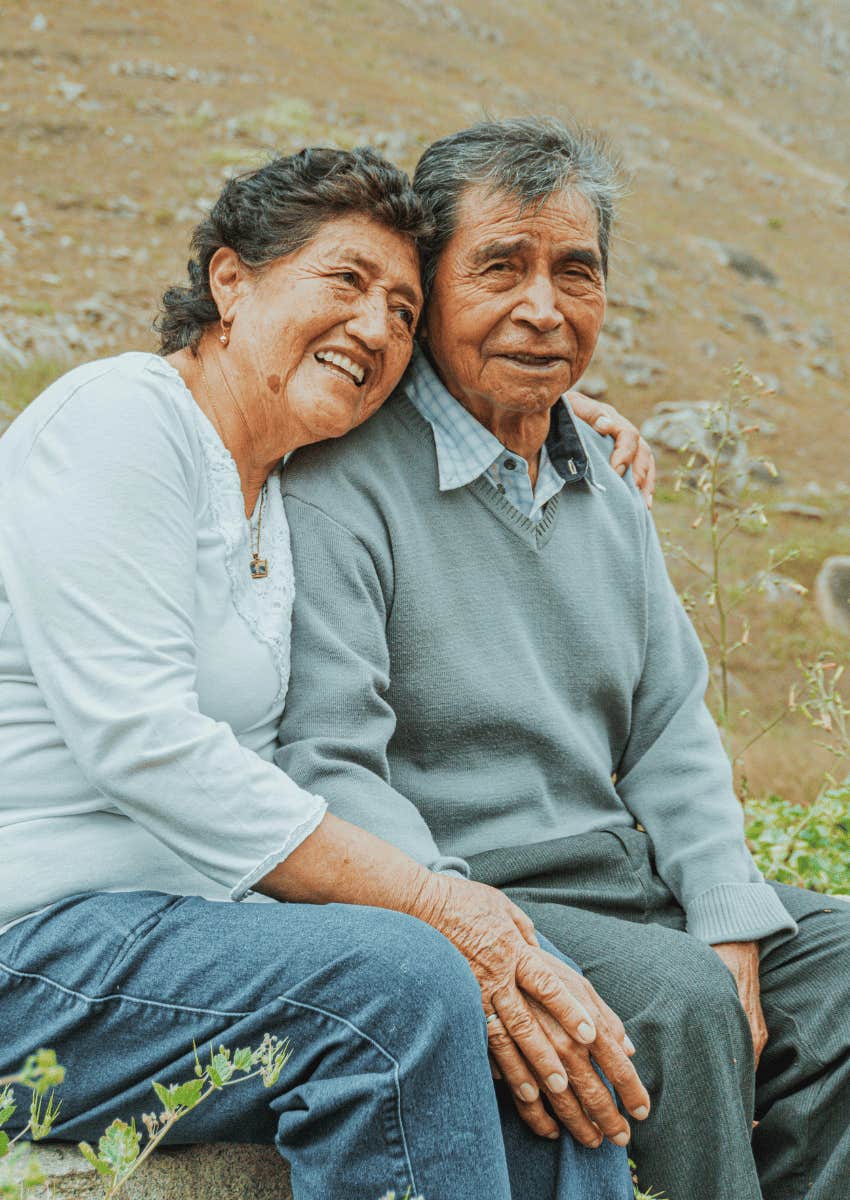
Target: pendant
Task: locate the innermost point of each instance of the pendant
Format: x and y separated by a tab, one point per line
259	567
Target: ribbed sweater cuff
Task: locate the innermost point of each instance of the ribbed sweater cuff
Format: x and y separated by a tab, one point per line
738	912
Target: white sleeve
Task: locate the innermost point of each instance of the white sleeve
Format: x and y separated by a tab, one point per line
98	557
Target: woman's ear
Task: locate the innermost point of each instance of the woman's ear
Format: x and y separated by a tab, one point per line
227	280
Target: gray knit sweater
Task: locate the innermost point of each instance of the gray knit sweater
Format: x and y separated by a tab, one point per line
464	679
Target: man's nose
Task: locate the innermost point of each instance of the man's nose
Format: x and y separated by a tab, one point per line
370	322
538	305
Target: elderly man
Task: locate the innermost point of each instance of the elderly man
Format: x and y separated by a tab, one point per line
491	670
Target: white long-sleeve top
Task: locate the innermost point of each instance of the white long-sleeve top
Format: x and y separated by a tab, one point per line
142	671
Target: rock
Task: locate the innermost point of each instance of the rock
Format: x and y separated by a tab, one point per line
832	592
780	589
687	427
70	91
756	318
829	365
638	371
749	266
621	329
592	385
39	23
793	508
227	1172
20	212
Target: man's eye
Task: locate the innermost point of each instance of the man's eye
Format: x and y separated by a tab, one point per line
349	277
407	316
497	267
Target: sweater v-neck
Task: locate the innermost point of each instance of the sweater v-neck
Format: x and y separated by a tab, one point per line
535	534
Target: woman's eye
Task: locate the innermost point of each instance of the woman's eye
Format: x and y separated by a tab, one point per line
407	316
498	267
349	277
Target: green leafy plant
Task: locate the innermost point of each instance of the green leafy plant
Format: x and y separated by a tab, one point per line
119	1151
715	473
640	1194
810	846
41	1073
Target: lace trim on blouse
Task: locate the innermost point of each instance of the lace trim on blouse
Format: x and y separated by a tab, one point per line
265	605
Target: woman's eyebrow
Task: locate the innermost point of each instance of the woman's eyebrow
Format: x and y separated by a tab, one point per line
368	265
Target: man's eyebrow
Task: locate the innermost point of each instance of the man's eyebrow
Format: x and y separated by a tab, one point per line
500	248
578	254
372	268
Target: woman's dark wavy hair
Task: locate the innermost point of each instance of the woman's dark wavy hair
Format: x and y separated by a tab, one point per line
268	213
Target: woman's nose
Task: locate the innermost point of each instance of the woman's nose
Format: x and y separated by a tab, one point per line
370	322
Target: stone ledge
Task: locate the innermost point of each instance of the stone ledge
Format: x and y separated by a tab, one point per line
221	1171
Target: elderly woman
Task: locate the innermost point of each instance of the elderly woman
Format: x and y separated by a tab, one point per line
145	600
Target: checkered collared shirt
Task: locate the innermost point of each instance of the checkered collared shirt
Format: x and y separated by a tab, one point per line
467	450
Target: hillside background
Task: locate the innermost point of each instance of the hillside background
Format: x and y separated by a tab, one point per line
118	123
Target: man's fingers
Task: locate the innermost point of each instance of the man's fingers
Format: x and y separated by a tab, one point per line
626	443
573	1117
618	1068
598	1103
510	1064
530	1041
538	981
646	464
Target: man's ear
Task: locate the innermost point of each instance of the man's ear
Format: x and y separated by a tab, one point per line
228	279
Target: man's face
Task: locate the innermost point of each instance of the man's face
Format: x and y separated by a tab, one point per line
518	302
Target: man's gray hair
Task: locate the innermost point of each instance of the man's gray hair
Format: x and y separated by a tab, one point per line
527	157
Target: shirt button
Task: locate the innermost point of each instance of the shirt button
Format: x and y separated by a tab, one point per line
501	488
510	464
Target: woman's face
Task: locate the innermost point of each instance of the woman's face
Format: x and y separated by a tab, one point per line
325	334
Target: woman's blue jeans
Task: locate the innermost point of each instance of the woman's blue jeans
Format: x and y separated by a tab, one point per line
388	1084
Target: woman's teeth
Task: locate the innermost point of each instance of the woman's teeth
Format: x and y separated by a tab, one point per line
345	364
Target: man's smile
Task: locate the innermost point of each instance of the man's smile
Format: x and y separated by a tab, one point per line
533	362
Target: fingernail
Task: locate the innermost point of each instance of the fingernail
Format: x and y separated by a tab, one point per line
553	1136
628	1043
602	424
586	1032
556	1082
621	468
641	1113
528	1092
622	1139
649	502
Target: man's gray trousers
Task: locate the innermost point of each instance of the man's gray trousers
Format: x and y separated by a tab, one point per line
597	897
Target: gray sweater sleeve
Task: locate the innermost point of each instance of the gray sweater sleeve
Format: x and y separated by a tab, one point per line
675	778
338	723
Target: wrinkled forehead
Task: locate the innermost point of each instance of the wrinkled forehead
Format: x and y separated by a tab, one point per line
484	213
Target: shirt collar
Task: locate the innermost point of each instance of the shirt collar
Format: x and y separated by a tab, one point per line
466	449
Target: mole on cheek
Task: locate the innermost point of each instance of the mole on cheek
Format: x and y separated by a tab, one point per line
274	383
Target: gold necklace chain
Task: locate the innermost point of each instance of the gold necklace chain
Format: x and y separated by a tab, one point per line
259	567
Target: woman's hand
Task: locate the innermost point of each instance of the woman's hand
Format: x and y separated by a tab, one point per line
587	1108
498	941
630	449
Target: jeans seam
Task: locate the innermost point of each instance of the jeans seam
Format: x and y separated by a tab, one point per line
139	931
60	987
382	1050
217	1012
